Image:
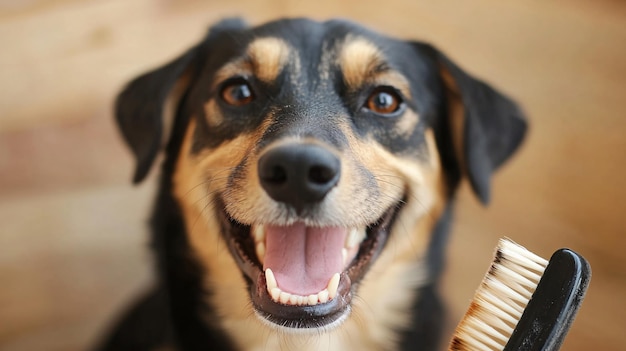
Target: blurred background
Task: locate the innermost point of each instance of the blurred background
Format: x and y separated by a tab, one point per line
72	228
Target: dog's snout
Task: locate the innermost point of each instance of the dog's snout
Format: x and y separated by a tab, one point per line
299	174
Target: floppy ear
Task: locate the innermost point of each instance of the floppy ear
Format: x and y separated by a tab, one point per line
139	111
486	126
139	107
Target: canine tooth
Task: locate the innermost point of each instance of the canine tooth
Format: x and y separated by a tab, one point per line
333	284
270	280
284	297
260	251
323	296
275	293
355	236
312	300
344	256
258	231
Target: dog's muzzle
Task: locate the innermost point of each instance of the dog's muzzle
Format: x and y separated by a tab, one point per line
303	276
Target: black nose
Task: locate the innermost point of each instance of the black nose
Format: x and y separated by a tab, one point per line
298	174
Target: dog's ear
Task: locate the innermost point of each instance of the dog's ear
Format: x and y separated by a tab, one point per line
139	111
486	126
140	106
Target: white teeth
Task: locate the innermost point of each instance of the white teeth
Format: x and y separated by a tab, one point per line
333	284
284	297
275	293
323	296
298	300
270	280
260	251
355	237
258	232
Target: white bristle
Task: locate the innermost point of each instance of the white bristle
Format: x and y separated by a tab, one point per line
500	300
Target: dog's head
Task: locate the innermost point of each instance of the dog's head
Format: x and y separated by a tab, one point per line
302	149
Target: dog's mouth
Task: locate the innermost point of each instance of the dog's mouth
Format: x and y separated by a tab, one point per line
300	276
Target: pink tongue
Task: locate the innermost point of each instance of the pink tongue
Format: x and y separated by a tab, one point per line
303	259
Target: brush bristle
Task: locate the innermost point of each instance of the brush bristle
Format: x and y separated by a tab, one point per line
500	300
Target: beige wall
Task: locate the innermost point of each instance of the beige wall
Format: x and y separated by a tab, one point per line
72	242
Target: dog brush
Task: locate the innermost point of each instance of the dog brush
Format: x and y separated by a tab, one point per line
524	303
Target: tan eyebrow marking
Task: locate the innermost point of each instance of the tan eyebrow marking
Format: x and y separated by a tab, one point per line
395	79
362	62
268	57
237	67
358	59
264	59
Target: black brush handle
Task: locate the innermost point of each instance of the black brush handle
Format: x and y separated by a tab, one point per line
553	306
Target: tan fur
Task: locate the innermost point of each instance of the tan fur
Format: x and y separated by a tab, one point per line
240	67
213	115
407	123
386	292
265	59
360	62
392	78
358	59
268	56
197	177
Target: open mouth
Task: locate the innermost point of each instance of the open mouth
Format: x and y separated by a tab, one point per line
304	277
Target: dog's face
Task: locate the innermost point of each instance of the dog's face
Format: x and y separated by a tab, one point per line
311	163
312	144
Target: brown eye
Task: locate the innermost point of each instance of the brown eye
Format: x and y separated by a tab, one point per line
237	93
384	101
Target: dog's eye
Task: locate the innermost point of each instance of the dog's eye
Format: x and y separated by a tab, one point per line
237	92
384	101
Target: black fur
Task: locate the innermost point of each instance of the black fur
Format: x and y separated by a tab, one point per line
171	314
494	128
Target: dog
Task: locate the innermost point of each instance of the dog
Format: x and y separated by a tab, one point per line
307	187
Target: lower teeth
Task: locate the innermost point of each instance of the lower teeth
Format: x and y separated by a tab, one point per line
286	298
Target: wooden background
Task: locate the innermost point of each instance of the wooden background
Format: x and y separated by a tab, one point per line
72	235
